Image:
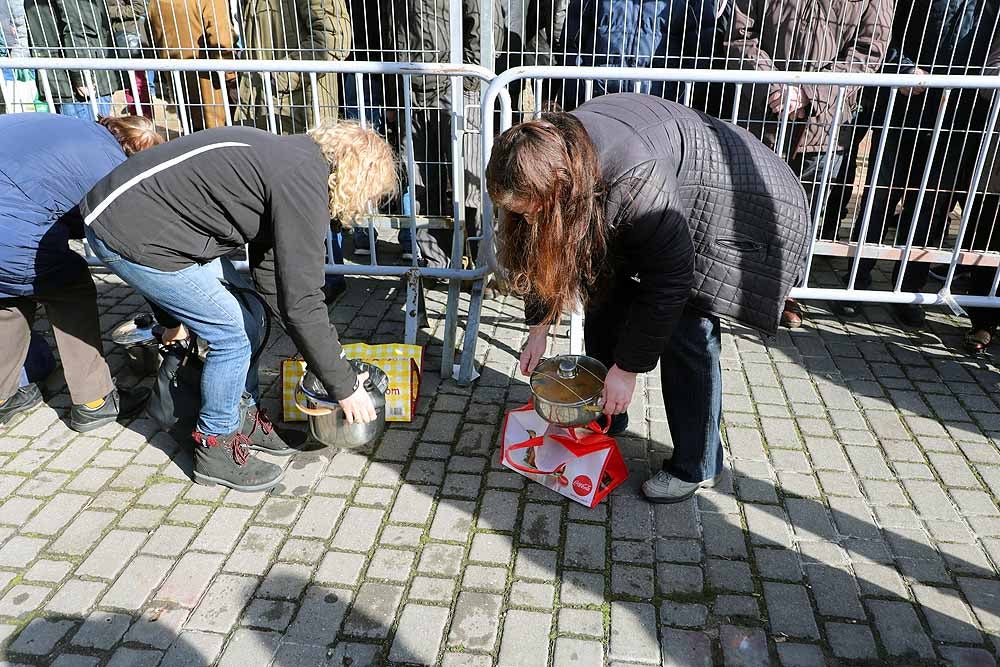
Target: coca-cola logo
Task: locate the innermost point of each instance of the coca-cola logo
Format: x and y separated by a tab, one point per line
582	485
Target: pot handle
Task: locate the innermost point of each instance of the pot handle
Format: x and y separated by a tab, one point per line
313	412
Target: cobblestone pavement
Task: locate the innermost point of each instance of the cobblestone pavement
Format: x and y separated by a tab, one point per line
859	523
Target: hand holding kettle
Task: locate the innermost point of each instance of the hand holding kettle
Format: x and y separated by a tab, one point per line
358	407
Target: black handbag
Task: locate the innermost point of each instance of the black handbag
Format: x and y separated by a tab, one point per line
176	400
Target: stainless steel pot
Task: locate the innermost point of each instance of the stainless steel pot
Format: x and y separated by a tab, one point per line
567	389
137	335
326	418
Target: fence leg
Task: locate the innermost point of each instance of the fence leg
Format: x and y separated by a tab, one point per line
413	290
471	333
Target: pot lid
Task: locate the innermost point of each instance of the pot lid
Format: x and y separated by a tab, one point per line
136	330
568	379
377	381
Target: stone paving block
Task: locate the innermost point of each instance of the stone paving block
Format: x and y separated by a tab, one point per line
822	553
40	636
633	633
141	518
953	470
853	518
374	609
578	652
899	630
679	579
136	583
499	510
189	514
632	580
269	614
536	564
479	577
255	550
250	647
223	530
17	510
318	518
743	647
974	502
632	552
112	554
747	443
585	546
279	511
466	660
74	598
157	627
779	564
432	589
581	622
490	548
419	634
789	610
102	630
851	642
767	525
541	524
474	625
835	592
869	463
800	655
532	595
452	521
440	559
723	535
413	504
736	605
930	500
168	540
161	495
320	615
678	520
525	640
726	575
958	656
947	615
56	514
189	579
347	464
19	551
391	565
223	604
291	653
48	571
631	518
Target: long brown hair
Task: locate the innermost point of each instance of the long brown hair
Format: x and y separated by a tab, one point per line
134	133
551	165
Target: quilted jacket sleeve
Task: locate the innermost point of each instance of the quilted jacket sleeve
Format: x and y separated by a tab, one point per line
656	243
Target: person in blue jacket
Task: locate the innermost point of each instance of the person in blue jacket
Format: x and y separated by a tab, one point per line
47	164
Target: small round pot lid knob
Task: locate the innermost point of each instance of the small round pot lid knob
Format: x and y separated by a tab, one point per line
567	367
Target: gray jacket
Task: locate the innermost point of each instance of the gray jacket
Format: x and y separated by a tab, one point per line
702	213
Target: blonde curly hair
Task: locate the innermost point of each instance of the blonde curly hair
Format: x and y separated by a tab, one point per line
362	168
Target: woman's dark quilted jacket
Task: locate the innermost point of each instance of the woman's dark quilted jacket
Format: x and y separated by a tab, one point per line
703	215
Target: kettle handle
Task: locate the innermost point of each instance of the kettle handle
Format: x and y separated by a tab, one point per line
314	412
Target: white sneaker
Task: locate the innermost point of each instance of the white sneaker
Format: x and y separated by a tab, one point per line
664	488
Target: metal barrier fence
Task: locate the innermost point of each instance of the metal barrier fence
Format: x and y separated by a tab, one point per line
462	134
968	240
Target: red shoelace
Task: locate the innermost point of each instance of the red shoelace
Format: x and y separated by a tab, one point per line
260	418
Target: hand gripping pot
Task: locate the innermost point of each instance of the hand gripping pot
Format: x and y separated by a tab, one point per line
567	389
139	336
326	418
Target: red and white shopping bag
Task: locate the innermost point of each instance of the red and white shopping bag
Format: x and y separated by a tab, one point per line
582	463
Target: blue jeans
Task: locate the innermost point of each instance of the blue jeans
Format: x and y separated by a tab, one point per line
85	111
690	378
196	296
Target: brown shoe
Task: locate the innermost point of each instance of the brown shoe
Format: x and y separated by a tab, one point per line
791	317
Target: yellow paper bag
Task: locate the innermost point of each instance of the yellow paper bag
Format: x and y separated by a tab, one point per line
401	363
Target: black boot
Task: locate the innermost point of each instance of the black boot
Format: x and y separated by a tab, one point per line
618	425
263	436
226	460
121	403
909	314
24	399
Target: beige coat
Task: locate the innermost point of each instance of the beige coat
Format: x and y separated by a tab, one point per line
293	30
188	29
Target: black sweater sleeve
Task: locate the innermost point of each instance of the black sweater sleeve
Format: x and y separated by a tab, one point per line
290	276
656	241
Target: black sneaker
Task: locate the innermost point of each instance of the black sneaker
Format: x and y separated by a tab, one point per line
263	436
24	399
909	314
226	460
121	403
